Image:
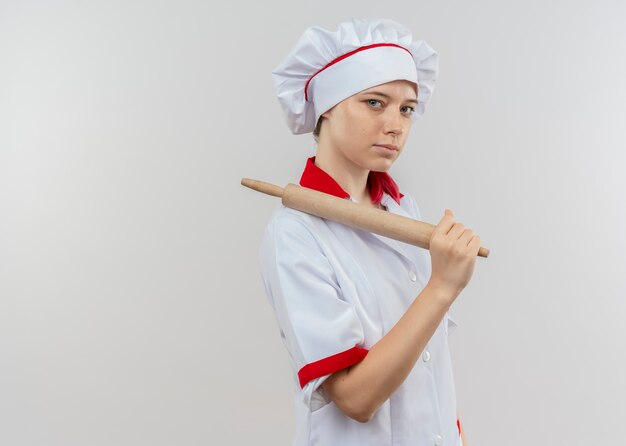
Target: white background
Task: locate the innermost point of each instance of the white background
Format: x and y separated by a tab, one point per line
131	305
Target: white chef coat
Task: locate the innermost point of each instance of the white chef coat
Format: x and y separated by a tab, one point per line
336	291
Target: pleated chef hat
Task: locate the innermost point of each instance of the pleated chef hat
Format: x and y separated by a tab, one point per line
326	67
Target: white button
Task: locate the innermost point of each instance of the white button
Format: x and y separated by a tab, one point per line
426	356
412	276
438	440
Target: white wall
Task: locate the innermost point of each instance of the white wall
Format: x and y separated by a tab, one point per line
131	306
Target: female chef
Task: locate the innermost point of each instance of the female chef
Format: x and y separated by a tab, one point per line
364	318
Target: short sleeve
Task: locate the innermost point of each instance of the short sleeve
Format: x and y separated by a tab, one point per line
321	330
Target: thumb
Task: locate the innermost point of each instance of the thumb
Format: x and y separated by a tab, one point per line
448	212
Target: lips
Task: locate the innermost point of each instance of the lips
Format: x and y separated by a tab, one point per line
388	146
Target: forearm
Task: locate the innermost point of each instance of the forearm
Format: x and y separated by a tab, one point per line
362	388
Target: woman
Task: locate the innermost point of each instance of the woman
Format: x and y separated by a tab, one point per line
364	317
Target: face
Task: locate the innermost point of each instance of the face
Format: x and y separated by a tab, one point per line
357	126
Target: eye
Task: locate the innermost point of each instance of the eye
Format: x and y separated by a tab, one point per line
412	108
369	101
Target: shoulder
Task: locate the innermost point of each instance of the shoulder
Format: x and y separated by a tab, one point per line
287	219
291	242
292	228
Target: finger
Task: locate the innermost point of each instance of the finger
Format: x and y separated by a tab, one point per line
467	235
456	230
445	223
474	244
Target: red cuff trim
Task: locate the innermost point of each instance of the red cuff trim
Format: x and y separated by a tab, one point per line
458	425
331	364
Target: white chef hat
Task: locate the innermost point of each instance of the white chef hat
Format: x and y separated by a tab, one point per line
327	67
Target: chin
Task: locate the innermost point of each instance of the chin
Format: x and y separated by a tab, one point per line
382	165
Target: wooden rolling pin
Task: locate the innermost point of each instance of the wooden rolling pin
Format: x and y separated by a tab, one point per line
349	213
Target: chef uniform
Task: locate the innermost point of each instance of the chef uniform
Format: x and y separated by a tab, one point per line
337	290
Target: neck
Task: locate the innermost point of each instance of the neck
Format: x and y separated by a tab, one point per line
351	177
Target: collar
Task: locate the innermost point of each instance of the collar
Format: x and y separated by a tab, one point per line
379	183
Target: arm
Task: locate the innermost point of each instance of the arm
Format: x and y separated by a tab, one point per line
361	389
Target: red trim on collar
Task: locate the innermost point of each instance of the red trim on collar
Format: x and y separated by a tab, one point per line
314	177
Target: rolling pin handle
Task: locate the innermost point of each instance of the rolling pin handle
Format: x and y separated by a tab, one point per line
262	186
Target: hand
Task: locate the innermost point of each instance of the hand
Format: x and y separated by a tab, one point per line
453	251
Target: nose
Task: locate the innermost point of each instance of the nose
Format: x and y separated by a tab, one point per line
393	123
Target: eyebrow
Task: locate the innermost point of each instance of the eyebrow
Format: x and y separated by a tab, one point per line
387	96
